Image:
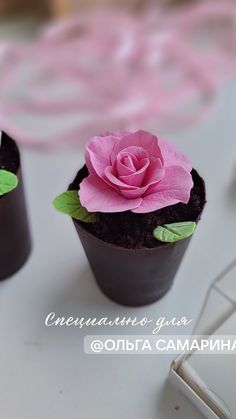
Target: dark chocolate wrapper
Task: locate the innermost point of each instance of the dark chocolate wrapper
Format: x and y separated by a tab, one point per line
133	277
14	227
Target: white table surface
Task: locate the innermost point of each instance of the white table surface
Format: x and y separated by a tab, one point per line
44	372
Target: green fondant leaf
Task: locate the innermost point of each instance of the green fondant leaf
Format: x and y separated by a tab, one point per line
69	203
8	181
170	233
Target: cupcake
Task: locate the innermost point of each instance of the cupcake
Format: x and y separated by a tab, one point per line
135	205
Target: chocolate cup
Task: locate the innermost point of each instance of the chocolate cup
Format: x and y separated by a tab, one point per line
14	227
133	277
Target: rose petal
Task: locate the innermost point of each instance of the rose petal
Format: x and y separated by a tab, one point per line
139	139
136	154
98	154
128	162
136	179
155	172
114	181
133	193
124	164
173	157
121	169
175	187
97	196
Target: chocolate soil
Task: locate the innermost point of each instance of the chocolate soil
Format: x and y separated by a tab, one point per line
135	231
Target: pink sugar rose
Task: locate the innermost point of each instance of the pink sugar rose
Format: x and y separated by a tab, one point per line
134	171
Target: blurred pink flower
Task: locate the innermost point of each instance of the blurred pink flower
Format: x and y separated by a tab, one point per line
134	171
